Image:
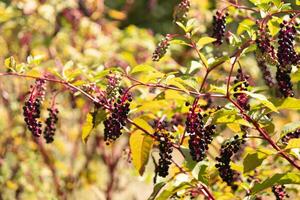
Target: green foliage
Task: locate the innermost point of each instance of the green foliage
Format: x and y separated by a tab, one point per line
96	60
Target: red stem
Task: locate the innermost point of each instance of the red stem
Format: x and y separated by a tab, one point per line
264	134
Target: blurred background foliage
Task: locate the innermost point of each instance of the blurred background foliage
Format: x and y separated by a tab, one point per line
87	38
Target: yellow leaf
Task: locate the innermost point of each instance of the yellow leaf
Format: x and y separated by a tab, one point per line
144	124
140	145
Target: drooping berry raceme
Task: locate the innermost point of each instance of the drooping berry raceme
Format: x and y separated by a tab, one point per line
292	135
266	49
286	52
116	121
200	136
284	81
31	109
50	128
228	149
279	192
181	10
162	48
165	149
242	98
219	27
266	73
287	56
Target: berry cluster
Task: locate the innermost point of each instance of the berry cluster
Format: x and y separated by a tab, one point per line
165	149
266	73
284	81
286	138
114	124
286	52
161	49
279	192
228	149
200	136
267	50
31	109
287	56
50	128
242	98
31	112
181	10
219	26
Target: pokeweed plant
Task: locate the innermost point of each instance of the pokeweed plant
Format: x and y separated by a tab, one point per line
186	114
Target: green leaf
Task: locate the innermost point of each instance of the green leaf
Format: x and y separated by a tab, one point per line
288	178
290	127
202	175
99	115
92	121
143	68
204	41
180	42
262	99
156	190
290	103
253	160
166	194
218	61
182	26
293	143
218	89
203	59
245	25
178	82
274	25
189	162
140	146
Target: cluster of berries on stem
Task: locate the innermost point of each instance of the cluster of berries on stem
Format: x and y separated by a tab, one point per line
119	109
279	192
266	49
51	121
266	73
242	80
181	10
228	149
200	136
31	109
162	48
287	56
292	135
219	27
165	149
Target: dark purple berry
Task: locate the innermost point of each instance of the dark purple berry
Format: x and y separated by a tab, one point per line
292	135
228	149
31	109
219	27
165	149
279	192
200	136
242	98
50	128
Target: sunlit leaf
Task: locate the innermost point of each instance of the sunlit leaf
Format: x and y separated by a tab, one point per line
140	146
253	160
293	143
287	178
